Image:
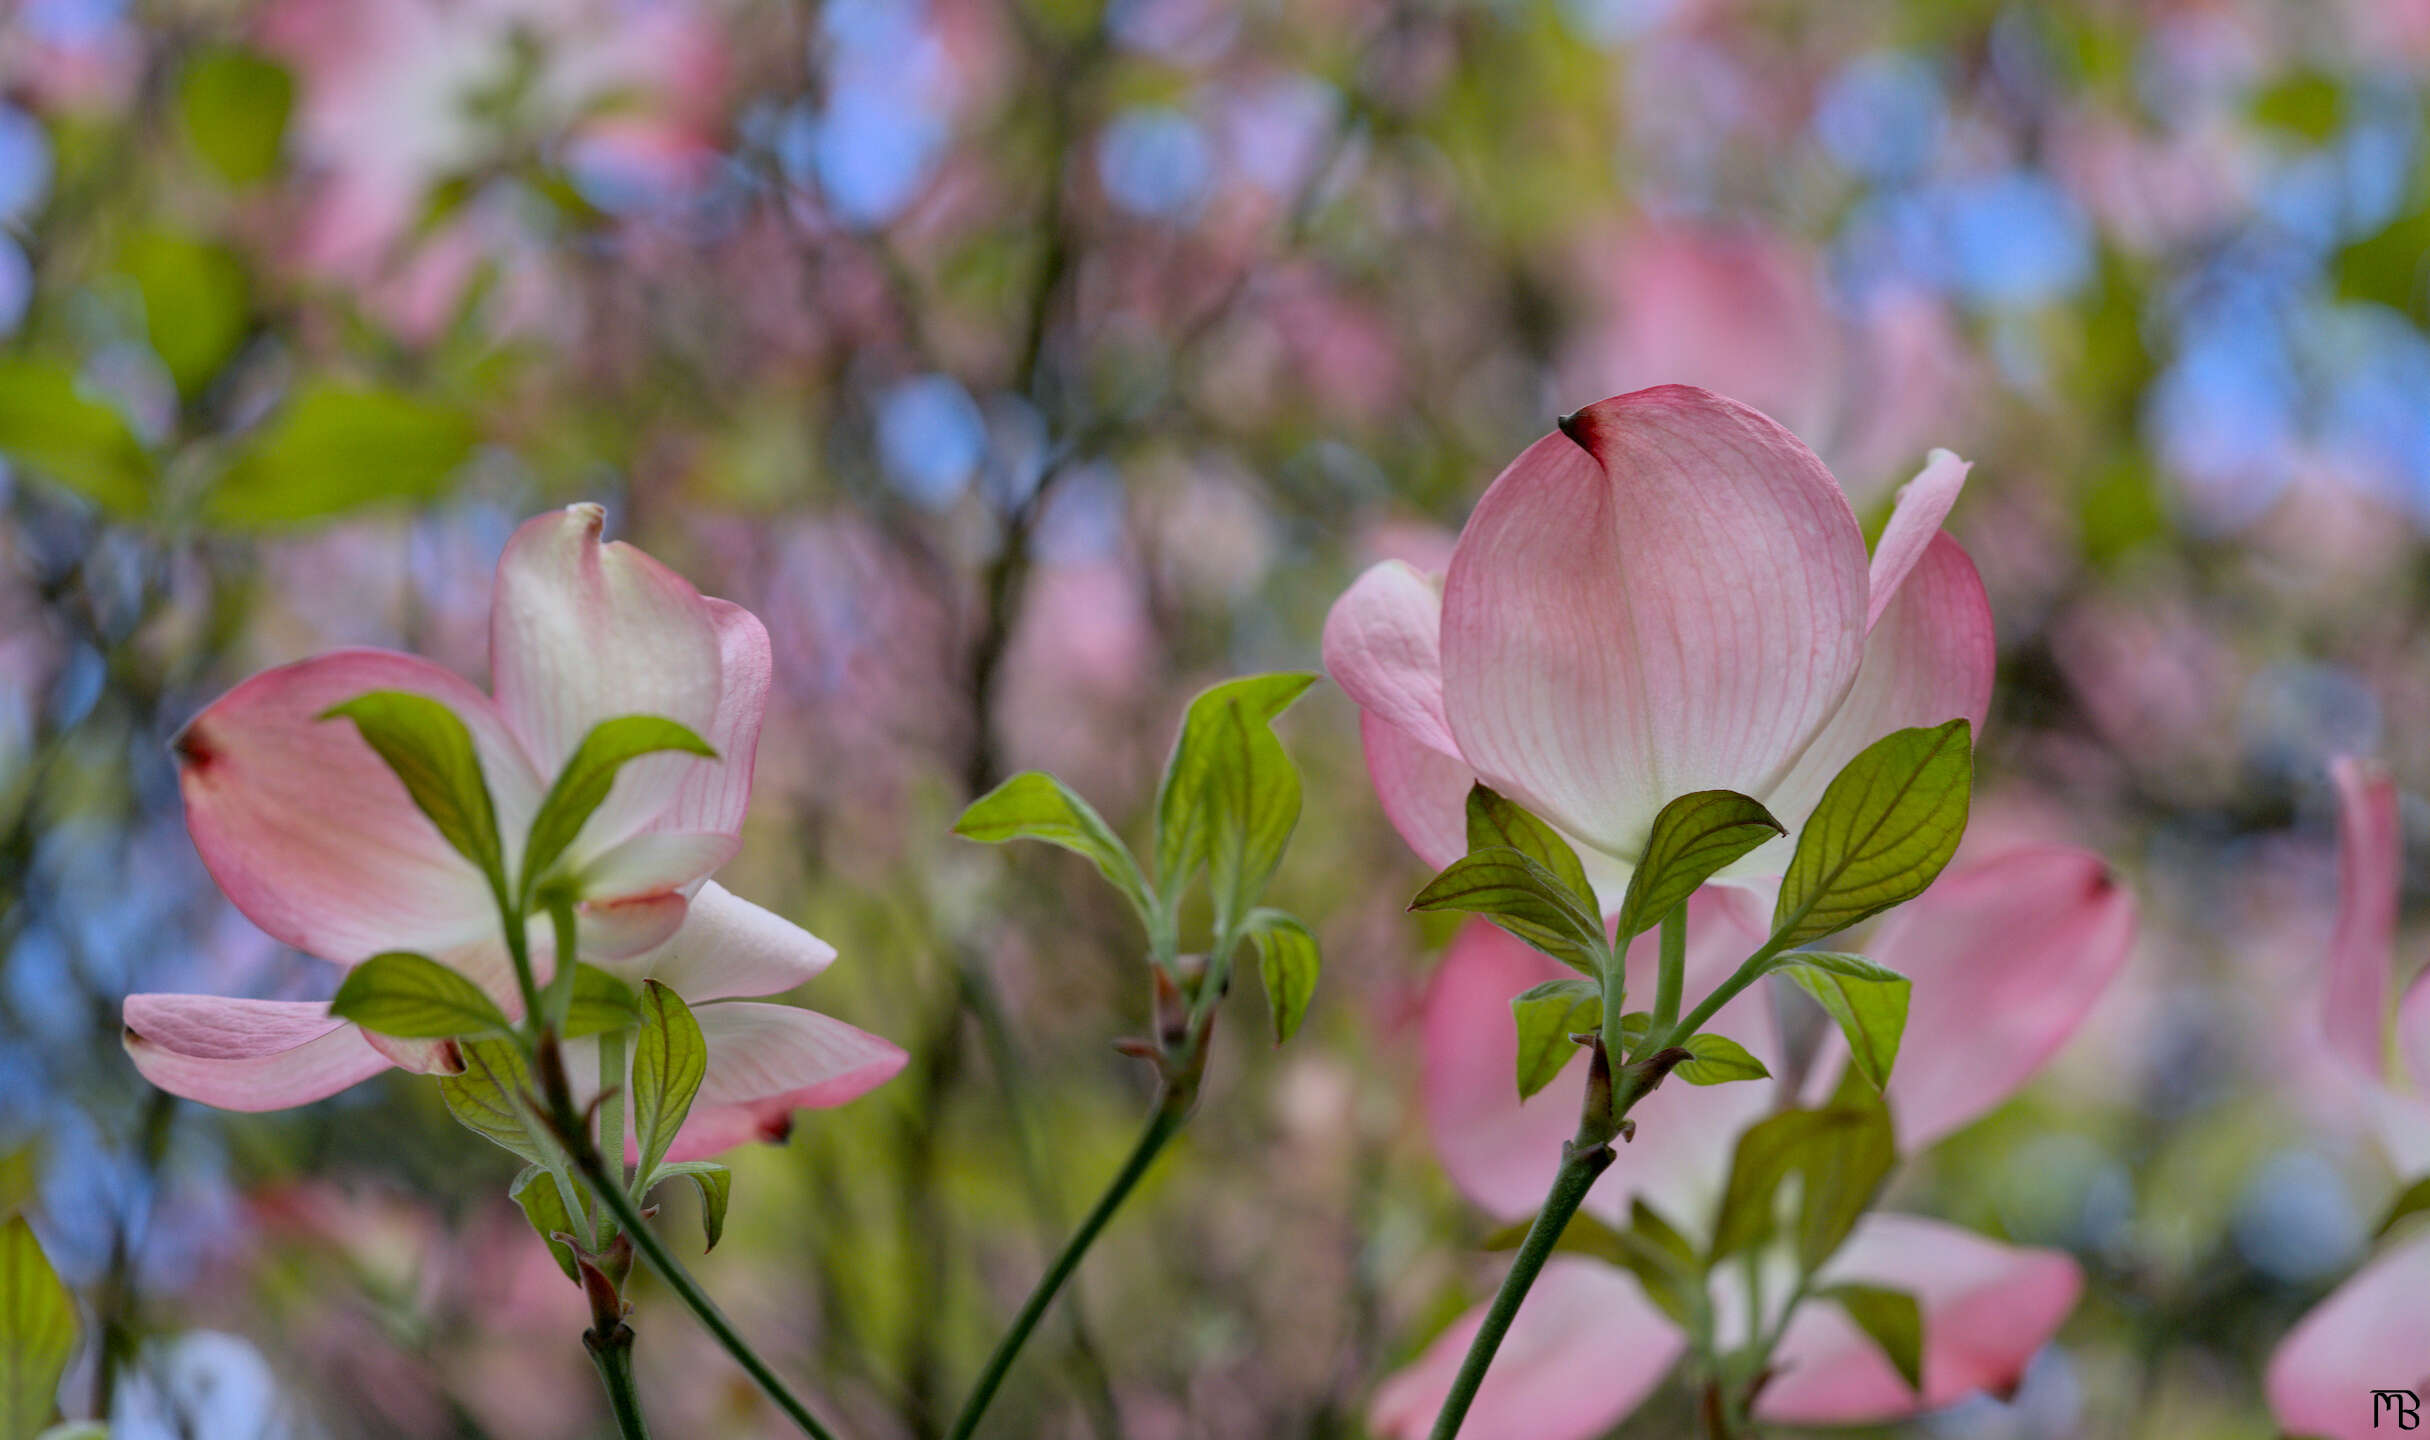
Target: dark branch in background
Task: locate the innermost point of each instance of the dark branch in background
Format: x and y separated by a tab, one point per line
1064	78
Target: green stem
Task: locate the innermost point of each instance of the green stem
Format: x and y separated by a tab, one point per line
1753	969
560	993
1580	1165
697	1300
519	950
628	1215
1172	1107
613	1355
611	1104
1673	976
541	1129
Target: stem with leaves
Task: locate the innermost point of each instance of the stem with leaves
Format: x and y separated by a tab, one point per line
1227	805
558	1097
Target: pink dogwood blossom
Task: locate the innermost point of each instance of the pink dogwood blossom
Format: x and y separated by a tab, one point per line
2367	1334
2007	956
1668	594
313	837
1750	314
400	96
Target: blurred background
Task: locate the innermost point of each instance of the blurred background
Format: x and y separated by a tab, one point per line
1028	364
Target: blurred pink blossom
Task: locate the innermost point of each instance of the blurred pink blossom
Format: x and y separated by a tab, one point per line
2368	1333
2008	957
1078	679
400	96
1749	315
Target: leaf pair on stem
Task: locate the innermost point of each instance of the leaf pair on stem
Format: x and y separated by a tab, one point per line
1226	806
1800	1180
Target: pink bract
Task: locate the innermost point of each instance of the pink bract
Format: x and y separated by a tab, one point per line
317	842
1669	594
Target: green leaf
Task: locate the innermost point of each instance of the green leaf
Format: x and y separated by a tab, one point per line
432	752
414	997
1184	826
1661	1235
234	105
338	448
601	1003
582	786
543	1204
20	1168
2413	1202
1494	820
52	428
1853	1152
1717	1060
716	1186
1287	964
1037	806
669	1060
1882	832
1893	1320
2307	104
1547	1015
1871	1013
1693	838
1768	1152
194	303
487	1099
37	1331
1834	962
1523	898
77	1430
1253	799
1841	1153
1665	1264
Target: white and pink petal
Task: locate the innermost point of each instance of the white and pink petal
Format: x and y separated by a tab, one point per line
1668	595
247	1055
712	797
730	948
582	632
2366	1336
1383	646
1915	519
764	1052
1929	660
311	834
1423	791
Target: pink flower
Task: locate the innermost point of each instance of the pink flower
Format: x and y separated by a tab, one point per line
2366	1336
316	841
2370	1057
1670	594
2369	1332
1750	314
392	104
2007	957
